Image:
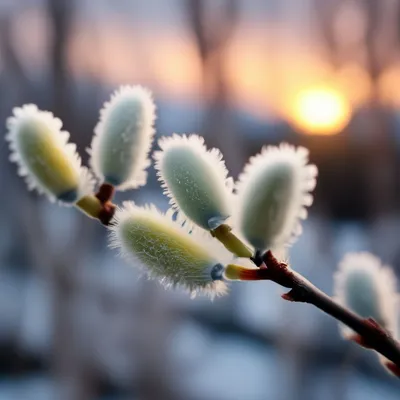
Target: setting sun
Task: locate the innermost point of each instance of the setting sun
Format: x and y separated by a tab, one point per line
321	111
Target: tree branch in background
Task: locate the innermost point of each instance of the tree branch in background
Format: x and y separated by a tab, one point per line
326	11
12	63
60	17
211	38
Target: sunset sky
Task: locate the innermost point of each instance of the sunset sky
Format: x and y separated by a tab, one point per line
275	54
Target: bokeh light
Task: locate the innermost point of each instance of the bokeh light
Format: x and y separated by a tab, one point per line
320	110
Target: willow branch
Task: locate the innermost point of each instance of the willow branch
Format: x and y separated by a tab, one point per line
371	334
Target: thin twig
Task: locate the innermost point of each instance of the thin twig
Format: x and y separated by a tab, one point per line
105	196
371	334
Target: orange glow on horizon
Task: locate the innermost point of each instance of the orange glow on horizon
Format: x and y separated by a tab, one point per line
388	84
284	86
267	68
320	110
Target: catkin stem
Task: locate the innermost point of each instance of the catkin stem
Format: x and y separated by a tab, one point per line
99	206
231	242
90	205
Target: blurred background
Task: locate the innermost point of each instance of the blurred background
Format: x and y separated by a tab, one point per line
76	322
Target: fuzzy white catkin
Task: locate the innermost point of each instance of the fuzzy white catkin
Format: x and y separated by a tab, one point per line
167	251
123	138
272	193
48	162
195	179
368	288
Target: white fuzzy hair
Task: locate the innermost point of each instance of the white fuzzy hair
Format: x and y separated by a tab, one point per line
30	112
304	180
212	160
144	128
192	278
382	286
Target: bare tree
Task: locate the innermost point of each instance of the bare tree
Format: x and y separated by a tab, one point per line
379	47
212	34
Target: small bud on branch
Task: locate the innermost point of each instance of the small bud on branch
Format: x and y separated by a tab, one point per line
368	288
195	180
48	162
123	138
167	250
272	193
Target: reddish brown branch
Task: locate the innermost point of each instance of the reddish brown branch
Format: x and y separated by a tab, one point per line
107	213
105	195
393	368
371	334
